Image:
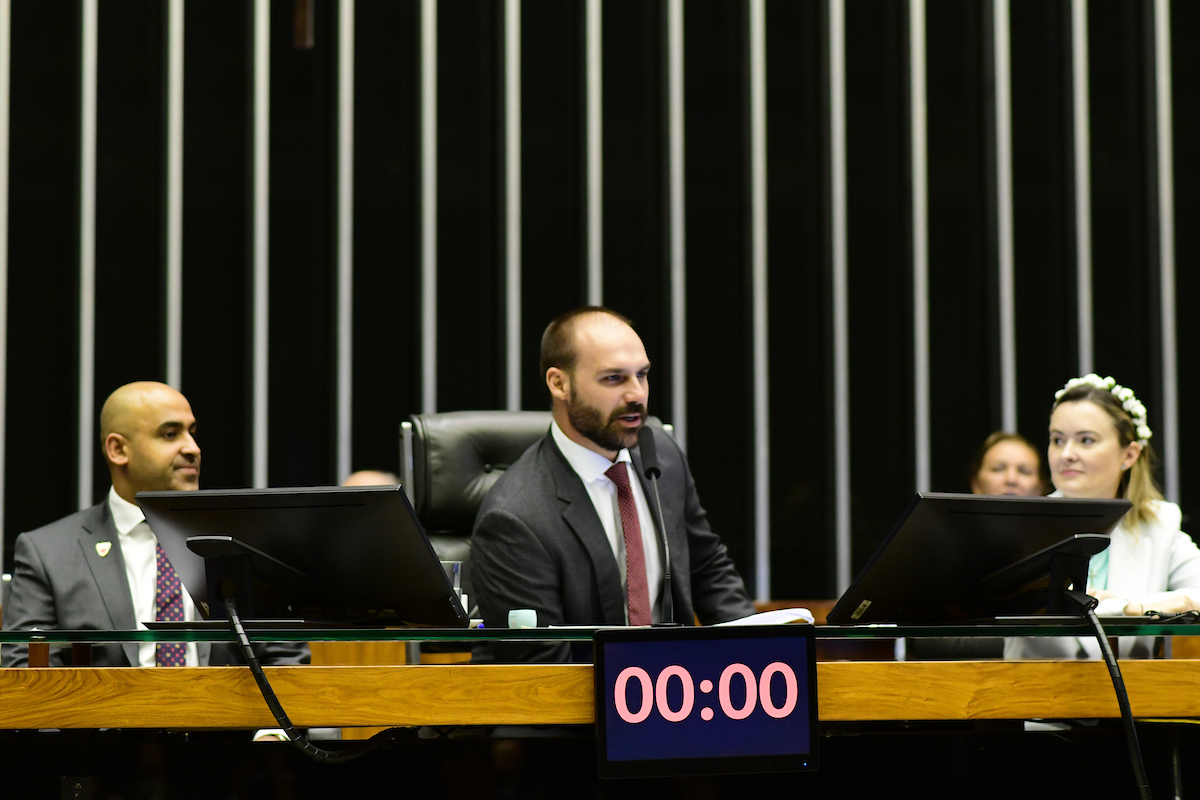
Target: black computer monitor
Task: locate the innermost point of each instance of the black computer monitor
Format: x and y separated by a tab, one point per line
932	567
336	554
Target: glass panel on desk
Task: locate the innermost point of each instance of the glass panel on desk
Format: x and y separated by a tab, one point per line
1121	626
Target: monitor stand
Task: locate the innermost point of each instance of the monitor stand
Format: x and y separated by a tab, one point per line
1067	565
235	569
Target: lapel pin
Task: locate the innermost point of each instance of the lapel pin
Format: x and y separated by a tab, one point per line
103	547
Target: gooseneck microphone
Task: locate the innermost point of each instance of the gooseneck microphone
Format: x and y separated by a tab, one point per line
651	470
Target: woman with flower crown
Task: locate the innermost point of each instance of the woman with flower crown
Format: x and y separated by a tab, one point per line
1100	448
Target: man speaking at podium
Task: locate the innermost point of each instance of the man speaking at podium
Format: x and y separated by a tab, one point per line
568	531
102	568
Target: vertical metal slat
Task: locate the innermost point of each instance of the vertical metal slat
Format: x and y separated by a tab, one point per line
595	159
5	75
1081	122
261	230
677	211
841	334
87	249
428	206
174	242
1004	215
512	204
920	239
1166	246
758	300
345	236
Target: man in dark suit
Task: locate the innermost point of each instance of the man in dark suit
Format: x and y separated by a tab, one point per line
100	568
567	531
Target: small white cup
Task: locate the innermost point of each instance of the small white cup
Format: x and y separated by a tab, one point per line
522	618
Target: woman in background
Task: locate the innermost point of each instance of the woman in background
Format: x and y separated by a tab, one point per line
1100	448
1007	464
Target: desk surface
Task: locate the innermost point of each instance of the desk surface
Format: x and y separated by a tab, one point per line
227	697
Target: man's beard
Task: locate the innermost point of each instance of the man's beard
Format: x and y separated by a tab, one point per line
610	436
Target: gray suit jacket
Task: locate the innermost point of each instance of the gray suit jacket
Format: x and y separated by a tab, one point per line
60	581
538	544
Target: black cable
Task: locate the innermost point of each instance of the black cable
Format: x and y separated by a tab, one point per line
294	736
1176	770
668	599
1131	737
1190	617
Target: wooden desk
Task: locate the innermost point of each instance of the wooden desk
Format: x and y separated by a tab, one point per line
227	697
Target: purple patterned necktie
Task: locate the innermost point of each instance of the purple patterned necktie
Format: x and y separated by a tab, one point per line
635	558
168	606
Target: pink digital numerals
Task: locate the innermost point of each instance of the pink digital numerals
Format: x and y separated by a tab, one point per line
620	695
660	693
751	696
764	688
654	693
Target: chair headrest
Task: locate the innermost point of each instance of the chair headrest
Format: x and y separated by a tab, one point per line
459	455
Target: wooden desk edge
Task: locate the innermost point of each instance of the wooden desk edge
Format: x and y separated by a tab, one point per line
227	697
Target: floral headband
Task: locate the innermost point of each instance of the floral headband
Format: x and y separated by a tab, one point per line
1133	407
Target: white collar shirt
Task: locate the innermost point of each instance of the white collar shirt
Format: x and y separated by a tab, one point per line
590	466
138	544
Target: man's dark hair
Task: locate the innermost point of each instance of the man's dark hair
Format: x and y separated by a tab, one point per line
558	341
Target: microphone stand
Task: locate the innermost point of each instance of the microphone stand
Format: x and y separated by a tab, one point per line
668	603
650	467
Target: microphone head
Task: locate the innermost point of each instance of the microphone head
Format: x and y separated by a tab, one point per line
649	453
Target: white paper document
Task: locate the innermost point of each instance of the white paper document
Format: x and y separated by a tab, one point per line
780	616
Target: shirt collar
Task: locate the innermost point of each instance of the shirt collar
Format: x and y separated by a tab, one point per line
126	515
588	464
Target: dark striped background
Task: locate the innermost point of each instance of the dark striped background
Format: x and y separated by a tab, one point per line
42	366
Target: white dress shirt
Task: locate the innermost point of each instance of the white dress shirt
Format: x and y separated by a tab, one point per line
141	568
590	466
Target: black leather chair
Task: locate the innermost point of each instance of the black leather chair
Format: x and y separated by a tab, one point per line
448	463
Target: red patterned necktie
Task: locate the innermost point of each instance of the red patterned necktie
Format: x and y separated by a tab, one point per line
168	605
635	557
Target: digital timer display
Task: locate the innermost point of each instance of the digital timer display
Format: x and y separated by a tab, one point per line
705	700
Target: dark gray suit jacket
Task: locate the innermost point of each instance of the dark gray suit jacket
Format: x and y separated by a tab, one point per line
539	544
60	581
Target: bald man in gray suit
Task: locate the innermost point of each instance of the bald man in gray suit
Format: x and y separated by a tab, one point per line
550	535
96	569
